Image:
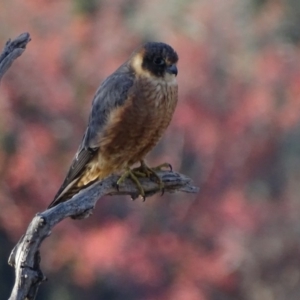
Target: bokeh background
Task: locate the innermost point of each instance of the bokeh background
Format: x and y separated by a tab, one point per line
236	132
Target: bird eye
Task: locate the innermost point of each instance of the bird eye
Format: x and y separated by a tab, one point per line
158	61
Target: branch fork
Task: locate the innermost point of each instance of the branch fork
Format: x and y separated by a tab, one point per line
25	257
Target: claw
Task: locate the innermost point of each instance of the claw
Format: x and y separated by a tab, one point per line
164	165
143	171
133	176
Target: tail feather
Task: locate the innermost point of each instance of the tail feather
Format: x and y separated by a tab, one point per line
69	192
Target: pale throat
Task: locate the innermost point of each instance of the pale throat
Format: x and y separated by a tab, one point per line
167	79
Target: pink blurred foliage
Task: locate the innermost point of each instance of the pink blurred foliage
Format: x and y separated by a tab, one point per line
239	90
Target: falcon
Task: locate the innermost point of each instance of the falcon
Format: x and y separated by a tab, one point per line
130	111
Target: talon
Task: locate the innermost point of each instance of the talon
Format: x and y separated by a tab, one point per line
143	171
151	173
164	165
133	175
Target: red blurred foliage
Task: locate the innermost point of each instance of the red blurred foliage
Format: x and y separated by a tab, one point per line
236	132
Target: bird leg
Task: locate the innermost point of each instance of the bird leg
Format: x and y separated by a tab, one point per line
144	171
134	177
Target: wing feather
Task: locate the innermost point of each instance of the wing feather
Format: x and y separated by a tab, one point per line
112	92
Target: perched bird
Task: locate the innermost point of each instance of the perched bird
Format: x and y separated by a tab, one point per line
130	111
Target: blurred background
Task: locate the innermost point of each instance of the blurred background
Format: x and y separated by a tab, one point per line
236	133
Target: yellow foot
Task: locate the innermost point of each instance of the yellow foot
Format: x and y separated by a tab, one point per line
162	166
134	177
144	171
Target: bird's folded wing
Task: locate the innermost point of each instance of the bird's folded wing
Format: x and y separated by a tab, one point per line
113	92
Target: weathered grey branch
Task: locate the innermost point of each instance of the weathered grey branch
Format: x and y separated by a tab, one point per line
25	257
12	50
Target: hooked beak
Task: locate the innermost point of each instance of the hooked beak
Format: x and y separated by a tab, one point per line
172	70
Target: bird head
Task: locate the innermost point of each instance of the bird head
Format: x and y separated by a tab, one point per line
155	59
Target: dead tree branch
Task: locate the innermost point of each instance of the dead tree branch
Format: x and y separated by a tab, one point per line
12	50
25	257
